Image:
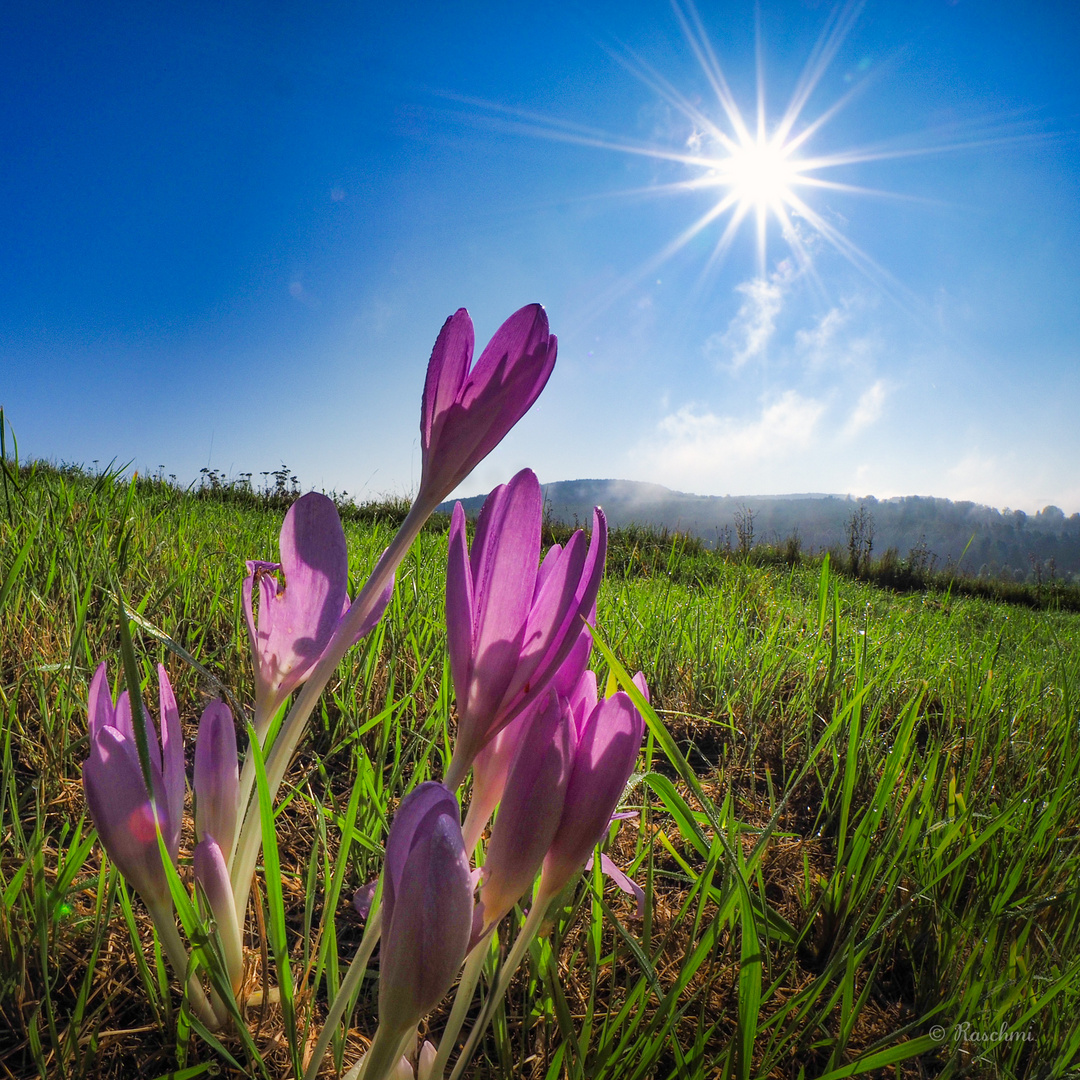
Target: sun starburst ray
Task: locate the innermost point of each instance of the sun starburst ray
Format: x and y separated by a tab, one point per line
700	45
628	281
755	170
856	256
811	129
644	72
821	57
856	189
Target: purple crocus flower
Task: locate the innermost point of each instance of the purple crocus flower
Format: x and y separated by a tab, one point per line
493	762
569	770
216	782
466	412
608	743
511	626
427	908
531	810
126	815
297	620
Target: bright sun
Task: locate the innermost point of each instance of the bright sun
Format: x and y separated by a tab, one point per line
757	168
760	175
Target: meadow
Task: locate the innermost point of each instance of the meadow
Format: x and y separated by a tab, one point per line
857	811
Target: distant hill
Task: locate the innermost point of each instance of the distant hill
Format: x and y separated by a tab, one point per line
1000	543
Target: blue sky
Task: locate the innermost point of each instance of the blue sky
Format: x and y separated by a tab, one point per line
232	232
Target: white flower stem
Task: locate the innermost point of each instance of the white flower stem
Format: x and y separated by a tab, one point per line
476	819
349	986
524	939
246	784
387	1049
176	951
462	1000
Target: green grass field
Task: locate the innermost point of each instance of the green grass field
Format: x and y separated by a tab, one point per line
859	825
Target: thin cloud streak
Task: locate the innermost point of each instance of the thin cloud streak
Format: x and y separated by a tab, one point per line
750	331
867	411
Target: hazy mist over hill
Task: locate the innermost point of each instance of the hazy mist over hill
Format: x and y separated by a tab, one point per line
1004	543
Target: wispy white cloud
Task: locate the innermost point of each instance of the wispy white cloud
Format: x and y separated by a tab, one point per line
815	340
748	334
708	452
1005	478
841	338
867	409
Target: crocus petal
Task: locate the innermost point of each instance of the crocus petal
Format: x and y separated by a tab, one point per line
172	761
605	757
447	368
577	660
428	800
428	908
122	717
465	416
403	1070
509	664
122	721
531	809
101	711
642	685
583	699
509	376
216	780
459	604
627	884
123	814
268	589
490	769
126	812
296	623
550	607
363	897
425	1063
558	615
547	564
492	764
503	561
371	619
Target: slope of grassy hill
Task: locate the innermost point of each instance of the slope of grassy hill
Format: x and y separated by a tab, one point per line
859	815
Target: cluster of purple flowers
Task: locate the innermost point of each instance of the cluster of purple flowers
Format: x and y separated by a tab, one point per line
543	747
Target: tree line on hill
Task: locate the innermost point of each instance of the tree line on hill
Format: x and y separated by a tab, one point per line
925	534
